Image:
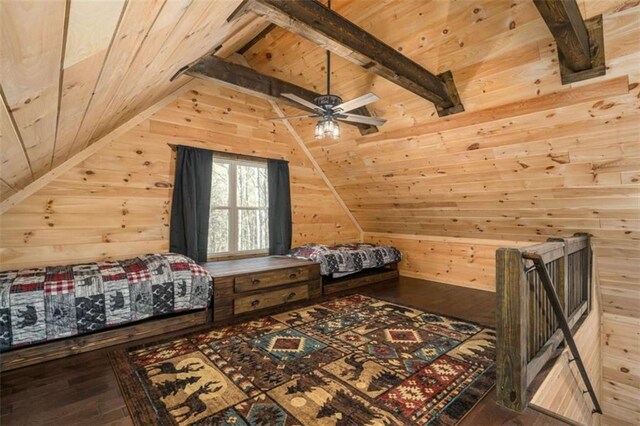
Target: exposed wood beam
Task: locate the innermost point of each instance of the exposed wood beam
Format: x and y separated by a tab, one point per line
580	43
247	80
317	23
256	39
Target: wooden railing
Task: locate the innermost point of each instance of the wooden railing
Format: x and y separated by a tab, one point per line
542	292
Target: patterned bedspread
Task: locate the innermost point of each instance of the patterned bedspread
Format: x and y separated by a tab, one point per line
345	259
54	302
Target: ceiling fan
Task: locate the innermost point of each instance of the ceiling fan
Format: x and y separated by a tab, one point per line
331	109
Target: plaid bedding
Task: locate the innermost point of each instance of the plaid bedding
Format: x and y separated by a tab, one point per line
344	259
50	303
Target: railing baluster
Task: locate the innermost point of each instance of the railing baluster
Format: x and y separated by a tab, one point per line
564	326
537	305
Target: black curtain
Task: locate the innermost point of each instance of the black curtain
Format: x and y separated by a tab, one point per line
279	207
191	199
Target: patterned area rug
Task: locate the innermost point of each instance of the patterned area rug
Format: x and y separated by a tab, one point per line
354	360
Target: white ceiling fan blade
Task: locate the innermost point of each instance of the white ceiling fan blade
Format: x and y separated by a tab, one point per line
354	118
290	117
356	103
301	101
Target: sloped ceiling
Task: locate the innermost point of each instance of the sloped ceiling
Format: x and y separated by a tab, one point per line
74	70
473	173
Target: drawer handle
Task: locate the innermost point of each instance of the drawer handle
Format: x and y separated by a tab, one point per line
291	295
255	282
255	302
292	276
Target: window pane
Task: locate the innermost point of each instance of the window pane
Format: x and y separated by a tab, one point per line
252	186
253	232
220	184
218	231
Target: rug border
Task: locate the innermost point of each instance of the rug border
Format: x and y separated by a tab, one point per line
140	414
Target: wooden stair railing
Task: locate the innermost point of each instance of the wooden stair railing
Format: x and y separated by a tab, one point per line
542	292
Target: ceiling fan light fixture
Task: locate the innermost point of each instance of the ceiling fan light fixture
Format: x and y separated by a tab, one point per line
327	127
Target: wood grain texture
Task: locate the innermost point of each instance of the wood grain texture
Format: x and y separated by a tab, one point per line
527	160
73	70
461	261
116	202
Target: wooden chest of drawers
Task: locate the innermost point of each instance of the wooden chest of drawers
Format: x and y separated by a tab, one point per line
245	286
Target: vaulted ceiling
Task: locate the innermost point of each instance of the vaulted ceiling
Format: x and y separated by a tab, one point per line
72	71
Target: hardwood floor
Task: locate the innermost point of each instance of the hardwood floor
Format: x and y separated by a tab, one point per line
82	389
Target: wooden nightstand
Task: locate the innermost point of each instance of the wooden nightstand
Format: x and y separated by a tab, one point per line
241	287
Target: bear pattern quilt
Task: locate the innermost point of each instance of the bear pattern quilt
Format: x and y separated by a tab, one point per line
344	259
50	303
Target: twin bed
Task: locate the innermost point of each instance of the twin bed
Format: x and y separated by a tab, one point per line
345	259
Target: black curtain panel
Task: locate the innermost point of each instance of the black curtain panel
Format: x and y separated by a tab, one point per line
279	207
191	199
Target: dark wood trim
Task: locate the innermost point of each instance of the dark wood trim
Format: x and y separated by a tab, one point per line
321	25
256	39
372	276
47	351
580	43
247	80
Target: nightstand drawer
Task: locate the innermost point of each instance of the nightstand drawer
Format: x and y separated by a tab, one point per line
270	299
268	279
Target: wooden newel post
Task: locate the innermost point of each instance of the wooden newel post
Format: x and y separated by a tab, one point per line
513	300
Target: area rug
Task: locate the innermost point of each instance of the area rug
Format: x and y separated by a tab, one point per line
353	360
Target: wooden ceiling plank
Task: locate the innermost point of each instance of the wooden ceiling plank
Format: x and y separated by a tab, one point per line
136	22
200	31
32	44
15	169
246	80
580	43
319	24
90	35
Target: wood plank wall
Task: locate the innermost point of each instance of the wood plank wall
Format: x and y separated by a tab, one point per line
529	159
116	203
467	262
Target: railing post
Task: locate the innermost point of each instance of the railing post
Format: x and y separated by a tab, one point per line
512	309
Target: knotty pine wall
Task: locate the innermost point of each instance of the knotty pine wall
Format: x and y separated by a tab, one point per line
527	160
117	202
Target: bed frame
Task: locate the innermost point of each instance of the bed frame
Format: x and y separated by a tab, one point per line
54	349
366	277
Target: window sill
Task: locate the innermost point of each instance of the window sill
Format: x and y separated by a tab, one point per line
236	256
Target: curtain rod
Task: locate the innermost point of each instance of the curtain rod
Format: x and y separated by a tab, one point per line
174	148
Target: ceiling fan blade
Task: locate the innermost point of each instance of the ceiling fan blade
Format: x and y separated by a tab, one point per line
301	101
356	103
290	117
354	118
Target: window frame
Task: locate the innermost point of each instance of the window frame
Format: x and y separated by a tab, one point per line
233	209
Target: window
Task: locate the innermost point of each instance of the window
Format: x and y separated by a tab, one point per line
238	222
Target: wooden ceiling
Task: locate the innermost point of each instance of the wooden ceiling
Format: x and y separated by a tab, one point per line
74	70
